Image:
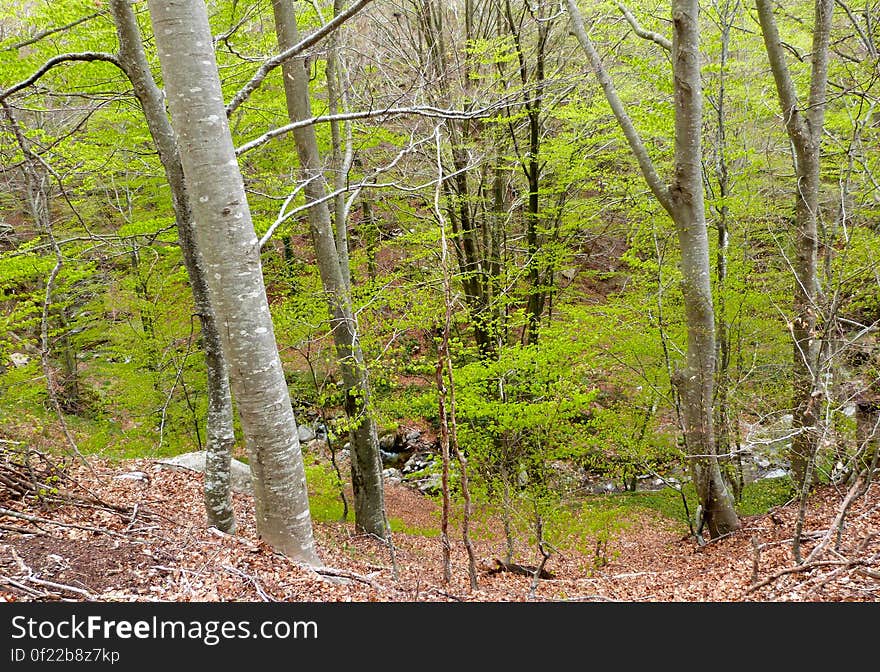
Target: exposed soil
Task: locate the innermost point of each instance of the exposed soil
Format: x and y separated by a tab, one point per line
157	547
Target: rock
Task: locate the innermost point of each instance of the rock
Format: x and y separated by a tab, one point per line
392	475
240	473
651	484
19	359
413	436
392	459
431	485
418	461
305	433
775	473
388	442
564	476
768	446
316	446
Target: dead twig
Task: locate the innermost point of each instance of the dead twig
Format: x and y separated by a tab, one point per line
47	521
253	581
805	567
854	491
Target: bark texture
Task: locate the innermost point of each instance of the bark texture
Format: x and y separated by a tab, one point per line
688	212
230	250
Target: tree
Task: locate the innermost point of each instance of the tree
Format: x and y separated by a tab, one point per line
804	126
220	434
366	464
230	250
683	201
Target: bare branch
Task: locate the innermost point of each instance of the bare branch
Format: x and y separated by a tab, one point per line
295	50
51	31
46	521
86	56
650	35
863	36
657	186
420	110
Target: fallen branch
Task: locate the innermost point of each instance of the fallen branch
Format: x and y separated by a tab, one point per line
20	530
47	521
345	574
62	586
805	567
854	491
515	568
6	580
253	581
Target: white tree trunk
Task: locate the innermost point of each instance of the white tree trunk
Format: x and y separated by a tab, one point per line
230	250
688	212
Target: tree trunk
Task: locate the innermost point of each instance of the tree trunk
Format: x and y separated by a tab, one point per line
366	464
220	434
688	213
804	128
683	200
230	250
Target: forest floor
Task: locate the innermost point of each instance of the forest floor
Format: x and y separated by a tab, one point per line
133	531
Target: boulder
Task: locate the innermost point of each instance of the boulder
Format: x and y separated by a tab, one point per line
305	433
392	475
418	461
431	485
388	442
240	473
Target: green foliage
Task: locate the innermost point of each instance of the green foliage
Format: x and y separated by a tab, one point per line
761	496
592	397
588	530
324	487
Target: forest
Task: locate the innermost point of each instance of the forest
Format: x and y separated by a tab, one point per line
423	300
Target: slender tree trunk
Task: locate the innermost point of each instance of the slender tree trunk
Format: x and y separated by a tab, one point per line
804	127
230	251
688	213
366	464
726	16
342	158
684	202
220	434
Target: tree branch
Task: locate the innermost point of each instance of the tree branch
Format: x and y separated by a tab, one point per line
295	50
656	185
87	56
781	74
51	31
650	35
421	110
